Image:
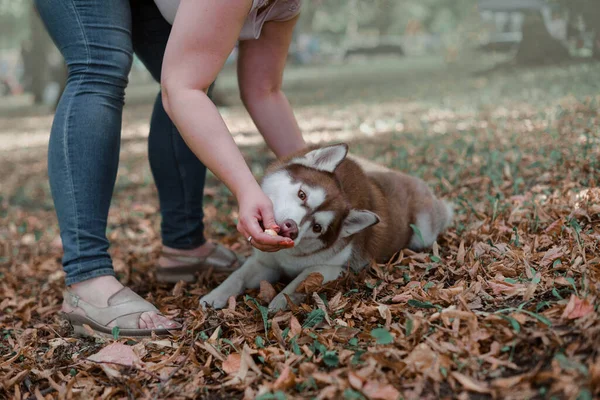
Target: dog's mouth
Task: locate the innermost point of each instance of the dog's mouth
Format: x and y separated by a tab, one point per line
287	229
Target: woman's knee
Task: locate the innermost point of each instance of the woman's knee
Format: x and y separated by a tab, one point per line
102	72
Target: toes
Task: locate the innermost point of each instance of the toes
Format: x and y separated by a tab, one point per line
167	323
152	320
146	321
162	322
173	325
278	303
216	302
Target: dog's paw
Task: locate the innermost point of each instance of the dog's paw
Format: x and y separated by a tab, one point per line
278	303
214	300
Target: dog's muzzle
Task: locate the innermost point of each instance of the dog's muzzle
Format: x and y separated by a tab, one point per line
289	229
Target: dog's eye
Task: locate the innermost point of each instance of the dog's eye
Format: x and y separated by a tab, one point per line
301	195
317	228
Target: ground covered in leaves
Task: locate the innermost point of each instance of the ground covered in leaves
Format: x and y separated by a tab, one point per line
505	305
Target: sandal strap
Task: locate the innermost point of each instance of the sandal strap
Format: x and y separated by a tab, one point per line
124	303
184	259
220	257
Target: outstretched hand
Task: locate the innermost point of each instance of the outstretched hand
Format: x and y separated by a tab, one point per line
256	215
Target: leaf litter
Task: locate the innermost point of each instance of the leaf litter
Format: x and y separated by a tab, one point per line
505	305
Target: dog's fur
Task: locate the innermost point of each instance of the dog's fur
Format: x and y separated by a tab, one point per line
364	210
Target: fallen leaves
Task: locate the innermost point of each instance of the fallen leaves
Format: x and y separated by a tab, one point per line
577	308
504	305
372	389
470	383
380	391
311	284
116	353
267	292
113	356
286	379
232	363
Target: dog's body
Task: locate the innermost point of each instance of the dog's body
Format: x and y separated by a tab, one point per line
341	211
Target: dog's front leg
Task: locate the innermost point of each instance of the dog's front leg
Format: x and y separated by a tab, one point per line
329	273
260	266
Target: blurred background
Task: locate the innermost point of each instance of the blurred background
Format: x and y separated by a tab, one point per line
336	32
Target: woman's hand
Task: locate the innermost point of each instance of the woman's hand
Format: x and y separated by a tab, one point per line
256	215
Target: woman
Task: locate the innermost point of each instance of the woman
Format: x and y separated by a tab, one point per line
98	39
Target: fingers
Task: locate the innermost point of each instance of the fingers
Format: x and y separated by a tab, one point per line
260	240
255	218
264	241
268	219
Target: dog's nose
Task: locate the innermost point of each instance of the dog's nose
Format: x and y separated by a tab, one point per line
289	229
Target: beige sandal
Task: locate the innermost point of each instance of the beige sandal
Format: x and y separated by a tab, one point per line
221	259
124	307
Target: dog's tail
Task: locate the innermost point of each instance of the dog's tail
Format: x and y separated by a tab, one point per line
431	223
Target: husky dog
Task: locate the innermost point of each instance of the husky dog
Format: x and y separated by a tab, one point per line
341	212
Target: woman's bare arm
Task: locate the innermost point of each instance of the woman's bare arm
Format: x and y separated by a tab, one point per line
203	35
260	75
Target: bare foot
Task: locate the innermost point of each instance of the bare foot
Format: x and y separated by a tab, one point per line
201	251
97	291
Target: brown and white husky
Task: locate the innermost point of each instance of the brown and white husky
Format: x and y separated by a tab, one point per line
341	212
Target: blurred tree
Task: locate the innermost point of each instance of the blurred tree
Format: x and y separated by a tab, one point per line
14	26
35	56
22	30
587	11
537	45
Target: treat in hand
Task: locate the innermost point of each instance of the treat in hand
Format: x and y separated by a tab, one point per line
270	232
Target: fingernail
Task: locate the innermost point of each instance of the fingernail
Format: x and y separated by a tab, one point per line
161	327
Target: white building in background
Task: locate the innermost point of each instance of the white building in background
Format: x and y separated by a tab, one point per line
508	16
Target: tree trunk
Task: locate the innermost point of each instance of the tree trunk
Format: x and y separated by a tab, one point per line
537	46
352	23
592	22
38	58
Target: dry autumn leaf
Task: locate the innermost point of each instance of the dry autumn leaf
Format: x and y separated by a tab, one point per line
470	383
232	363
267	292
377	391
311	284
117	353
286	379
577	308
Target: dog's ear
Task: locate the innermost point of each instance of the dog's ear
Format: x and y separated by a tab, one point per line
357	220
326	158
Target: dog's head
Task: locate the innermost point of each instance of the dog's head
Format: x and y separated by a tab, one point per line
308	201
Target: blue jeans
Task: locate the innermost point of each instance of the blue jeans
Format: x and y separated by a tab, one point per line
98	39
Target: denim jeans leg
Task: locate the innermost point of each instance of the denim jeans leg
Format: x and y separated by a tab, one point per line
178	173
94	36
